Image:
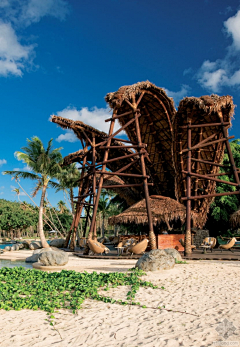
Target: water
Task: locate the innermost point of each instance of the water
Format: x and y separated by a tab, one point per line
3	245
11	263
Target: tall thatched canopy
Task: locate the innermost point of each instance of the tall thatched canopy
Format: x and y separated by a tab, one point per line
235	220
206	109
157	114
164	210
131	195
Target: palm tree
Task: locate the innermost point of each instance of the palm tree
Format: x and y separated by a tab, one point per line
45	165
68	180
104	207
62	207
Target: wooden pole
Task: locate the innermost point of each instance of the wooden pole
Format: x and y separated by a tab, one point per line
230	155
94	215
94	185
210	195
188	249
198	166
152	237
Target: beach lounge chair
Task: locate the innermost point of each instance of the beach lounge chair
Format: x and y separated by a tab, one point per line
138	248
208	243
229	245
182	243
97	247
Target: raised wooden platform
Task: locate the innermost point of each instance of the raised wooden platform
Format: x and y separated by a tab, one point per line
196	255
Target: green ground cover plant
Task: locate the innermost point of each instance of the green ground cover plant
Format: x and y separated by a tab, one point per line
22	288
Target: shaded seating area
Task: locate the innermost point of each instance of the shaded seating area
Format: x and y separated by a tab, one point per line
183	245
97	247
208	243
228	246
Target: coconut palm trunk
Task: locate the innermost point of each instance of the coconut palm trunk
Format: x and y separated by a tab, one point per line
188	242
40	222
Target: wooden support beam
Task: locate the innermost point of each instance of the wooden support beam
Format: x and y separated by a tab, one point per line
83	203
211	163
121	147
188	238
118	158
220	174
119	116
203	125
210	178
207	144
230	155
210	195
126	185
122	174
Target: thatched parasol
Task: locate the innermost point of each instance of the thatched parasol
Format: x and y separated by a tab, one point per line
163	210
157	114
235	220
206	109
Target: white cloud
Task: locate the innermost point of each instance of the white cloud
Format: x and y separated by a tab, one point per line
94	117
2	162
177	96
232	26
14	56
25	168
69	136
34	10
1	193
223	72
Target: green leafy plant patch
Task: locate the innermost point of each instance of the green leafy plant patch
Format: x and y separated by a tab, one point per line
22	288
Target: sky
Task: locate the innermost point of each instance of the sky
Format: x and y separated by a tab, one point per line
63	56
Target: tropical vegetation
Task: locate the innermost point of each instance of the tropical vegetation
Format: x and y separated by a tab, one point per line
44	165
32	289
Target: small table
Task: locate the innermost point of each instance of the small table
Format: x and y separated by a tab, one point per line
205	248
120	250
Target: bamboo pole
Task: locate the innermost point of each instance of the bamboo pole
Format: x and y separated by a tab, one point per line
203	125
210	195
198	166
94	185
188	249
94	215
210	178
152	237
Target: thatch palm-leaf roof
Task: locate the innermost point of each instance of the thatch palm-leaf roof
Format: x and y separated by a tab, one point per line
164	210
206	109
157	114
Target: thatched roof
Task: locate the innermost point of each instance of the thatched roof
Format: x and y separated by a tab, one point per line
163	210
160	130
158	113
206	109
235	220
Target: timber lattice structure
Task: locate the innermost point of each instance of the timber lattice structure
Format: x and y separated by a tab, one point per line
176	154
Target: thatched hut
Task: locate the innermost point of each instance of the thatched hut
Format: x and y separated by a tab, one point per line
164	210
203	110
235	220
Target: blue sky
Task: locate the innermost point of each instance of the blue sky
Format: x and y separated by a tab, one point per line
63	56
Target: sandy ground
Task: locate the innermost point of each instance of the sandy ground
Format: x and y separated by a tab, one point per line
207	291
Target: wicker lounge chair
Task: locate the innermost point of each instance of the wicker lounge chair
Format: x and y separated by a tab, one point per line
229	245
139	248
208	243
97	247
82	242
182	243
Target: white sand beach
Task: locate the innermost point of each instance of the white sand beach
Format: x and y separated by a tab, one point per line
208	291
